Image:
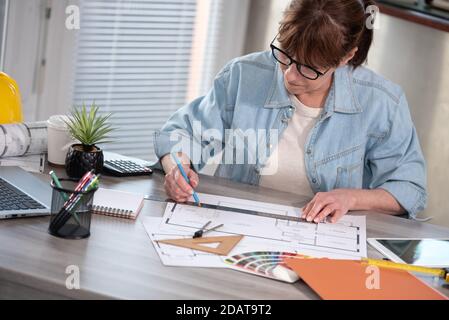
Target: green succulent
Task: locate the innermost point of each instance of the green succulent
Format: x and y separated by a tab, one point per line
87	127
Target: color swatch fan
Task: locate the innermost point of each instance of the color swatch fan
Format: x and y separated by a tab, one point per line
269	264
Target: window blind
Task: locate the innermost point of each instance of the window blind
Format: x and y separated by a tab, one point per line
133	60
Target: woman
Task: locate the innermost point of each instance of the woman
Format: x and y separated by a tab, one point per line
345	135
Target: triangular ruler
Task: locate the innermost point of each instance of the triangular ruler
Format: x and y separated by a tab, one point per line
226	244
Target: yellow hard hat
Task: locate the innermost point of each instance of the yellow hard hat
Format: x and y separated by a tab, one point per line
10	103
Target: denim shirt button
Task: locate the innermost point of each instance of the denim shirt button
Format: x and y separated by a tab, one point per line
314	180
309	151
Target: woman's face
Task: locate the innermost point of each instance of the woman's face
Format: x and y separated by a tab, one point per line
297	84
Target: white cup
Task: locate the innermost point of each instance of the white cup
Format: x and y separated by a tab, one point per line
59	139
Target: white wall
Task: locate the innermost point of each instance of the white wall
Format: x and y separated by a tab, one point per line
39	56
24	18
263	23
3	22
417	58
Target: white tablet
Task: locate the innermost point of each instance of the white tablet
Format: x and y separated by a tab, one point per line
420	252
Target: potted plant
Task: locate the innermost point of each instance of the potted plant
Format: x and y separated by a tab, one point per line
89	129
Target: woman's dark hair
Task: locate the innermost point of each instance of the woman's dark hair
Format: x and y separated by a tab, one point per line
320	33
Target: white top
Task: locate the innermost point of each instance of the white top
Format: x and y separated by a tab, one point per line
285	169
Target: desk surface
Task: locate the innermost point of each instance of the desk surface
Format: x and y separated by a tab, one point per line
119	261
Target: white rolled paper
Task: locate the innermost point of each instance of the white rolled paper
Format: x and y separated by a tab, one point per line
23	139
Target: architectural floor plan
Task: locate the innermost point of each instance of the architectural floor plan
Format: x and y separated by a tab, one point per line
266	226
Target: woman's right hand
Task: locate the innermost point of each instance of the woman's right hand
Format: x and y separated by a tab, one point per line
175	185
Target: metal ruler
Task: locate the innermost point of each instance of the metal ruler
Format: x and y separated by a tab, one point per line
246	211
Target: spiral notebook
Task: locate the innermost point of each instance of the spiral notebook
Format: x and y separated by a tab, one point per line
117	203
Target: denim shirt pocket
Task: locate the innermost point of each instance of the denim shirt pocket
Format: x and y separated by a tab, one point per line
343	169
349	176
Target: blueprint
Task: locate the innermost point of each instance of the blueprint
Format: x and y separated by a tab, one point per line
23	139
266	226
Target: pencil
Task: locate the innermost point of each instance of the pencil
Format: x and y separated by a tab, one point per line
186	178
63	194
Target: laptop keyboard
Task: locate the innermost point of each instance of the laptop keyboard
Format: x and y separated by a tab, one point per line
12	198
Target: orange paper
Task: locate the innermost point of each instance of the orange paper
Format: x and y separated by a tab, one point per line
354	280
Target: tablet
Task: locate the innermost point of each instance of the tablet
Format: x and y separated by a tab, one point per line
420	252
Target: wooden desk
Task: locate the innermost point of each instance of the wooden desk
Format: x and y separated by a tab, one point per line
119	261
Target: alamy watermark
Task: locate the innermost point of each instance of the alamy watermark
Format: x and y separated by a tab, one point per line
73	15
72	281
73	12
72	21
373	280
373	19
237	146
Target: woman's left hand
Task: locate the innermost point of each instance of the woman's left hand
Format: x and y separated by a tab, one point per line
335	203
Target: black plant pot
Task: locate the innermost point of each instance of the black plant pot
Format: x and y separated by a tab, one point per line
79	161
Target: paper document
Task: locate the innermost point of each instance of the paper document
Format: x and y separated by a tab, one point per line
266	226
177	256
30	163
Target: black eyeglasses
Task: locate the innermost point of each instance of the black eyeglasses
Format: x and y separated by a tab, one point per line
305	70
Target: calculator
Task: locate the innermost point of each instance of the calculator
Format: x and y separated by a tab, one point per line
125	168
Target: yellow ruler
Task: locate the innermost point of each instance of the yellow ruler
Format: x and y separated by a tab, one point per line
441	273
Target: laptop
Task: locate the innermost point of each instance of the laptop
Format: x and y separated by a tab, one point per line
22	194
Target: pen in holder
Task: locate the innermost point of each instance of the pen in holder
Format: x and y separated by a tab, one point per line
71	210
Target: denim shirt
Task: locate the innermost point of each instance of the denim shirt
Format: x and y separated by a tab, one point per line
364	138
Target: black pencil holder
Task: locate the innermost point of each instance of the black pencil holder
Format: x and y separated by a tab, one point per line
71	211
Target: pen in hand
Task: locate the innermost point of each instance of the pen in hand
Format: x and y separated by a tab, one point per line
186	178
